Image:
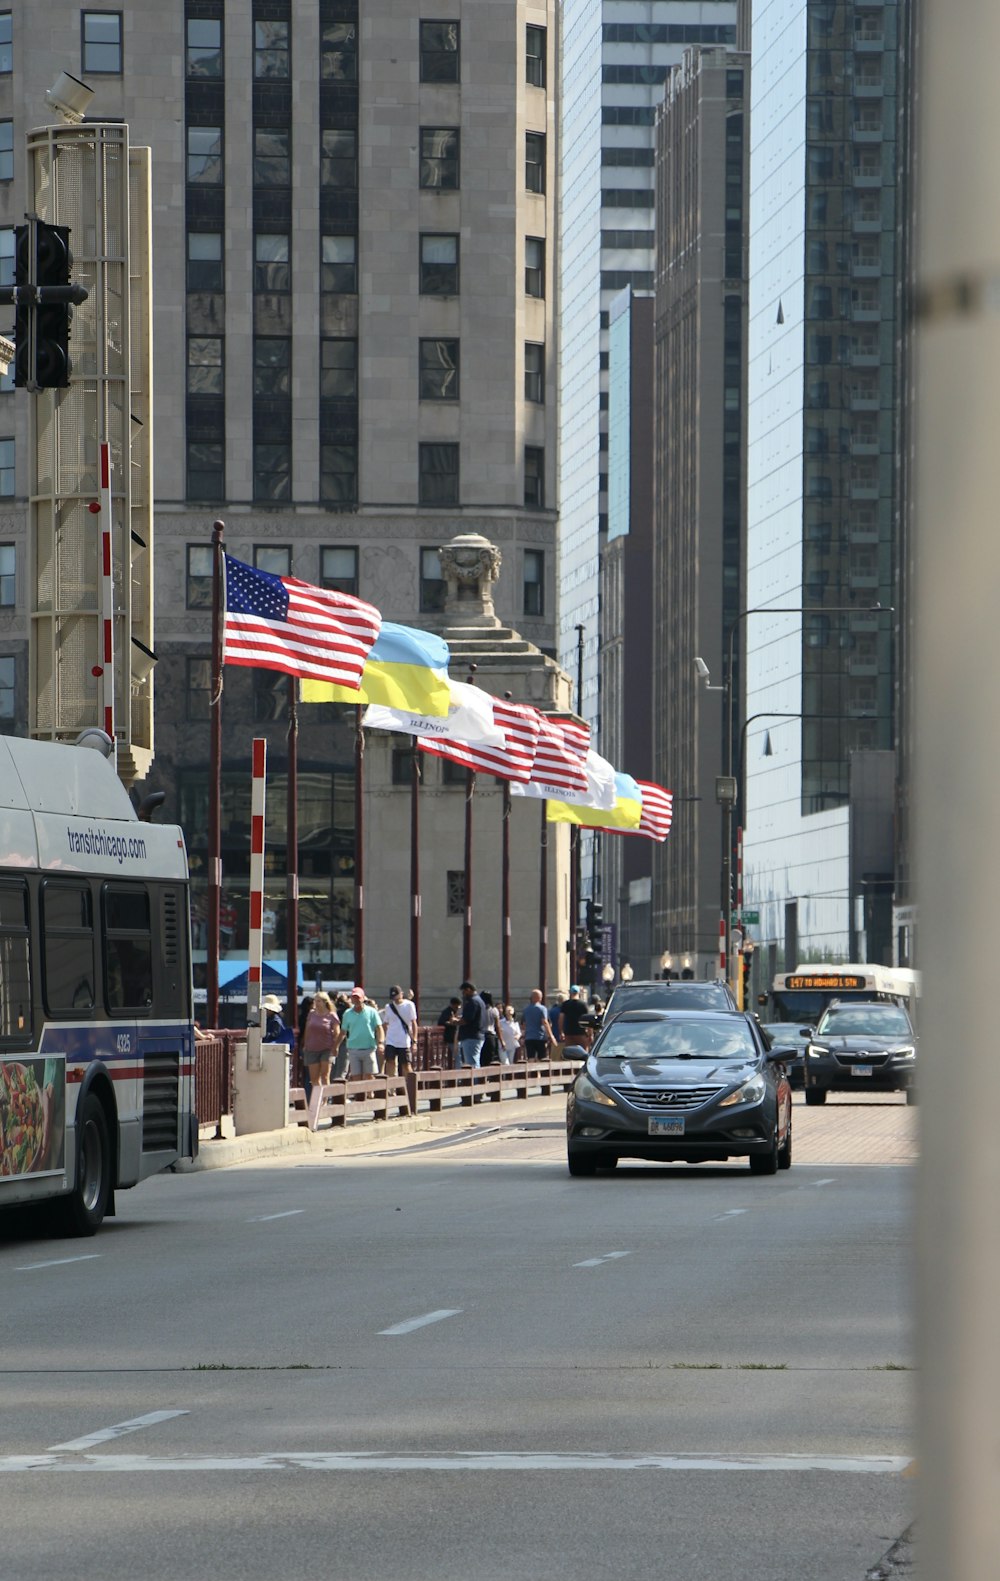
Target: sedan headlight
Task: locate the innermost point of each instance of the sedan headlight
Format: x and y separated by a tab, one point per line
752	1091
586	1090
816	1049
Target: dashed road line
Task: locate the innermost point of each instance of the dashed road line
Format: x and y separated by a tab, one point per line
104	1435
56	1262
421	1322
595	1262
265	1218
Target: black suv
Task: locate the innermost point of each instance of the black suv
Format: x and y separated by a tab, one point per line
860	1046
669	994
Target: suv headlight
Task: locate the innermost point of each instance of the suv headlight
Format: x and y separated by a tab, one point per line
752	1091
905	1053
816	1049
586	1090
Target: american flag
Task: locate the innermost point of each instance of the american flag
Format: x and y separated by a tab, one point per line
560	759
657	811
280	623
520	725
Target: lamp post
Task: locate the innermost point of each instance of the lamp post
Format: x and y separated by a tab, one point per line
666	964
727	790
626	974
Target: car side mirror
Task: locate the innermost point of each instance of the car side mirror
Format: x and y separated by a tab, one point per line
776	1056
573	1051
807	1032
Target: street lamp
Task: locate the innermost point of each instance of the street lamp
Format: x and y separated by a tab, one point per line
607	973
666	963
627	973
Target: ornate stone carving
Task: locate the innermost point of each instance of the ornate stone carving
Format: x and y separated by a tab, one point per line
470	565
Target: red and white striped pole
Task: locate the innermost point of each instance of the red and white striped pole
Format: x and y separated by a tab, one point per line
105	669
255	947
722	949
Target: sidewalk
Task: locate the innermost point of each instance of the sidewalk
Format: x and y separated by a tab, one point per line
297	1141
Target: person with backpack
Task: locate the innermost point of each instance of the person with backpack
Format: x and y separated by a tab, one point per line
399	1017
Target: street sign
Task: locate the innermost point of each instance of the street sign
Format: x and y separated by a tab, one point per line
751	916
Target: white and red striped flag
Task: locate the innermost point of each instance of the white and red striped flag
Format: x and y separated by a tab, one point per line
657	811
520	725
280	623
560	765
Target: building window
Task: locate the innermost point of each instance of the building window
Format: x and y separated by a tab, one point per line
8	576
338	60
275	559
204	47
534	161
534	372
272	365
534	476
272	272
204	155
433	586
338	569
339	264
8	678
453	773
439	54
338	376
272	472
455	879
338	164
438	264
206	471
438	474
534	266
402	765
439	153
439	370
204	261
102	42
534	582
6	150
270	49
206	374
7	468
272	157
6	43
199	576
197	688
534	56
338	477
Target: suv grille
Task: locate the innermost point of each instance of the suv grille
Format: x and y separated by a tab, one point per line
651	1100
858	1057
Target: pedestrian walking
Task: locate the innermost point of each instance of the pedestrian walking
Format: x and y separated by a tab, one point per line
361	1037
510	1036
538	1035
399	1019
491	1041
472	1026
448	1021
275	1029
320	1037
574	1020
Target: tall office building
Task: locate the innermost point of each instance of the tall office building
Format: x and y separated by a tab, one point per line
616	55
699	473
824	477
354	254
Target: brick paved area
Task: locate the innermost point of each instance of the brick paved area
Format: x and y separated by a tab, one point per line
880	1128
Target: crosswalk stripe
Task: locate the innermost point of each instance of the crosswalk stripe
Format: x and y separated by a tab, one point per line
485	1460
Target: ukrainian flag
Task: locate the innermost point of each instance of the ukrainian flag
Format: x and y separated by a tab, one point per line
625	814
406	669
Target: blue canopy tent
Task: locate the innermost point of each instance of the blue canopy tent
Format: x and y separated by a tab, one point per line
234	973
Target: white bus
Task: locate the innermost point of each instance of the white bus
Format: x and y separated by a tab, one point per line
96	1030
802	996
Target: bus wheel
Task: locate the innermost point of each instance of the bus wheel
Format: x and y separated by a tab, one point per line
82	1212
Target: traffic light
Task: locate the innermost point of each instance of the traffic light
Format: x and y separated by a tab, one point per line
24	313
53	262
595	918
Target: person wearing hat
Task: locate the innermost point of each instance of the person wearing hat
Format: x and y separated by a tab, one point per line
275	1030
361	1036
573	1019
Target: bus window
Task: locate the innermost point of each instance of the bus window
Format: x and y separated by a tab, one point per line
15	964
68	932
128	949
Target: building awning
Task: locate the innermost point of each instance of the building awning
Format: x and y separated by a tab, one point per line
234	971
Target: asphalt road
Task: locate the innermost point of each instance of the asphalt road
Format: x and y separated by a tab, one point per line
446	1361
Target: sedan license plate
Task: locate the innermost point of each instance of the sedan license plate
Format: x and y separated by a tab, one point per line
669	1127
861	1070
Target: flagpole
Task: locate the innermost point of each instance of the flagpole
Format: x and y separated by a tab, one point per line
215	788
359	847
470	789
574	897
543	906
505	890
415	874
292	859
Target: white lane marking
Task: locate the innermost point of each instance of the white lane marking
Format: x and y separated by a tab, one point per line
421	1322
57	1262
730	1213
595	1262
266	1218
105	1434
830	1182
320	1460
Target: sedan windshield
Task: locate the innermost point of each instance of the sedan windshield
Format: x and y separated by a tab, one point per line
679	1039
883	1021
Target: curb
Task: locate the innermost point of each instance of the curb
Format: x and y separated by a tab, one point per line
298	1142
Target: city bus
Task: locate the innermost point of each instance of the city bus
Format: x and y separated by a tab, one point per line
96	1029
802	996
